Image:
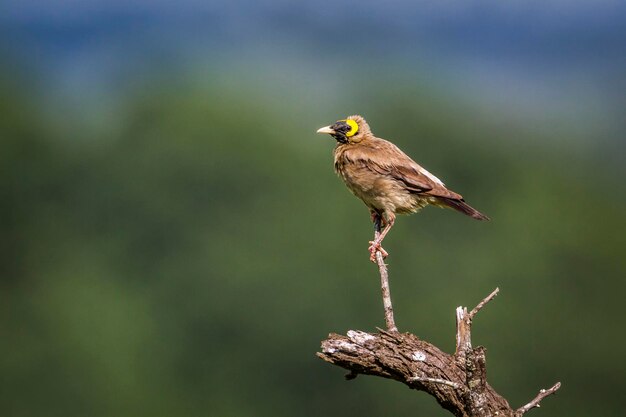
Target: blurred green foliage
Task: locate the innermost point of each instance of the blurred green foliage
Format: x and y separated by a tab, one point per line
187	257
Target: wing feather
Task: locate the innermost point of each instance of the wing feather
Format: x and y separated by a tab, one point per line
384	158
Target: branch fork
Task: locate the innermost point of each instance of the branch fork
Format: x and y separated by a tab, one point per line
458	381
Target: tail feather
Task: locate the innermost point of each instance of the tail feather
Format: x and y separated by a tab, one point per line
465	208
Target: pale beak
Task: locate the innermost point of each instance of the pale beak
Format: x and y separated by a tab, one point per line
326	129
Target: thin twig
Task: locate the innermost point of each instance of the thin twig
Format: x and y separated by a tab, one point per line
434	380
535	402
384	283
483	303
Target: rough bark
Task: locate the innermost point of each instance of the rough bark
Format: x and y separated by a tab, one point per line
457	381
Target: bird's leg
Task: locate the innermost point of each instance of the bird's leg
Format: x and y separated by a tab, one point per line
375	245
377	219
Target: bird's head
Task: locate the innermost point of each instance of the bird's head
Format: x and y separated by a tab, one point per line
353	129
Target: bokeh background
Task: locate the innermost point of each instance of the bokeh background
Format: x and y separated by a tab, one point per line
175	243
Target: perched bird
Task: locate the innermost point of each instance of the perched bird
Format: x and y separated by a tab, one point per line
386	179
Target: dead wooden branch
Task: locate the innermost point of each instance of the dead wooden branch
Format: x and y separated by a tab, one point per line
384	281
535	402
458	382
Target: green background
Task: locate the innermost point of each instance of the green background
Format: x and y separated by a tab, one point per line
182	248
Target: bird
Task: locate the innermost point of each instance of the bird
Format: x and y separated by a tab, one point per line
386	179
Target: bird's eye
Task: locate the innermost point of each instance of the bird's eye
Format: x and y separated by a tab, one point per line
354	127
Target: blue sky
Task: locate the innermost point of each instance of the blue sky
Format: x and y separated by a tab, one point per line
569	56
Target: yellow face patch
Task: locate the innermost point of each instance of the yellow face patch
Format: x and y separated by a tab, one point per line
354	127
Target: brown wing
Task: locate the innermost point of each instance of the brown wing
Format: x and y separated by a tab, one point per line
387	159
411	178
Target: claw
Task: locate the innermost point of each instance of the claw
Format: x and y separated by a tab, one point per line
375	247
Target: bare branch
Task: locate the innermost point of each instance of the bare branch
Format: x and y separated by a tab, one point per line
483	303
464	325
403	356
418	364
463	339
535	402
384	283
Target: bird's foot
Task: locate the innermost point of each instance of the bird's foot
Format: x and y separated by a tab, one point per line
375	247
